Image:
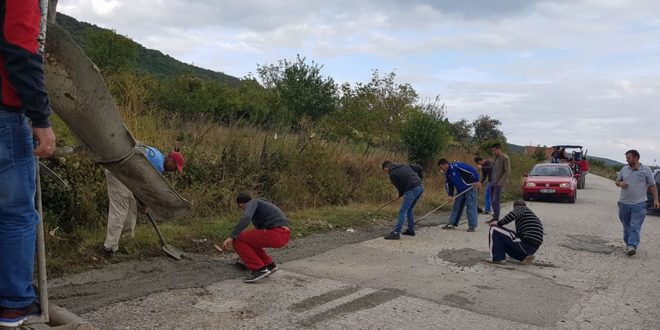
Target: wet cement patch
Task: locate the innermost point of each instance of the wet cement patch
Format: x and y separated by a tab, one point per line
463	257
365	302
589	244
457	301
327	297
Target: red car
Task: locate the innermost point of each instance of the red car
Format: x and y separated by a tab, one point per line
550	181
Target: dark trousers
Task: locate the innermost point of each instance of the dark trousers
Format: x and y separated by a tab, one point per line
496	194
504	242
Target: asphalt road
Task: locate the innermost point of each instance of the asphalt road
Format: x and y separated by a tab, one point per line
581	279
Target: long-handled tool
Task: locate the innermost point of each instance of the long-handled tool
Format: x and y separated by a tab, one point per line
443	204
168	249
382	206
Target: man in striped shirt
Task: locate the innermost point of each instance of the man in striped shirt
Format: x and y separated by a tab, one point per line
520	244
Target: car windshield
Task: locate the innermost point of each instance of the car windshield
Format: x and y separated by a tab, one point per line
550	171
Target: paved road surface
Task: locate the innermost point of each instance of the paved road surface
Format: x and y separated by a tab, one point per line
581	279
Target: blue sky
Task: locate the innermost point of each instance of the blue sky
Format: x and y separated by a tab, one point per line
554	72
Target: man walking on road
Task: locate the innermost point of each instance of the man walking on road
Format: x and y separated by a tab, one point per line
520	244
500	176
408	181
486	166
23	96
634	180
122	206
465	180
271	230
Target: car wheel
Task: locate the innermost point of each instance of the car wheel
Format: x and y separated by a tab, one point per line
572	199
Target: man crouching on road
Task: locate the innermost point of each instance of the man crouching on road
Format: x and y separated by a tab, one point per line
520	244
271	230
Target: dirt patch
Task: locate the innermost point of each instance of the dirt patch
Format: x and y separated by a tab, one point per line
457	301
588	243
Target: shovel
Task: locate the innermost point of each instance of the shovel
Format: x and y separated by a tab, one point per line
168	249
443	204
381	207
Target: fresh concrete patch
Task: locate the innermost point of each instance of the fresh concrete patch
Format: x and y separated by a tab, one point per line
463	257
589	244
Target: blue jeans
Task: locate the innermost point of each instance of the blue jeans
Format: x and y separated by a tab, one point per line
632	218
18	215
466	201
410	198
487	202
496	195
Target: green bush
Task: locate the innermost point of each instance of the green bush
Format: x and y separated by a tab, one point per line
424	135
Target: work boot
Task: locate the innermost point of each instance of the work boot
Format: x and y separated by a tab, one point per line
14	317
256	275
528	260
448	226
631	251
471	230
392	235
408	232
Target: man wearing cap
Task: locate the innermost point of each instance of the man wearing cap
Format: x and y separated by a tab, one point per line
122	208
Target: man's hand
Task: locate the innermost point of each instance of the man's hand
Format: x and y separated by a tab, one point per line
227	244
477	185
45	139
492	223
622	184
656	204
450	199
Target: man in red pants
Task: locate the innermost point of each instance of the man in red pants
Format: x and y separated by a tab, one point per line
271	230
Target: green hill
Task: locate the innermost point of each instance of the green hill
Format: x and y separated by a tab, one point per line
149	60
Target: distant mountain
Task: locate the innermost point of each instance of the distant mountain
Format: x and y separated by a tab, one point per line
149	61
518	149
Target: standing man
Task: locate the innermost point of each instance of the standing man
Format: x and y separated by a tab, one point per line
634	180
520	244
407	180
122	206
500	176
271	230
465	180
23	96
486	166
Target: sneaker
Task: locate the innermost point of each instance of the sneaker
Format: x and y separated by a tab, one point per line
480	210
528	260
257	275
448	226
499	262
272	267
107	253
631	251
392	235
472	230
486	212
408	232
11	317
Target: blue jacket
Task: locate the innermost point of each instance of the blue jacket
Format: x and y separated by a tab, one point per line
460	176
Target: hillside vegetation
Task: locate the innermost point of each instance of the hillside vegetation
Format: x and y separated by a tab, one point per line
289	134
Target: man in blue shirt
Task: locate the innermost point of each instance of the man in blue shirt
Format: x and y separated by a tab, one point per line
463	179
122	206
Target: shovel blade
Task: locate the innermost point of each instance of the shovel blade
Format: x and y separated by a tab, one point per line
172	251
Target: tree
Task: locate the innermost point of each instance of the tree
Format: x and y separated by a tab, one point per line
487	128
110	51
461	131
300	88
425	132
373	111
